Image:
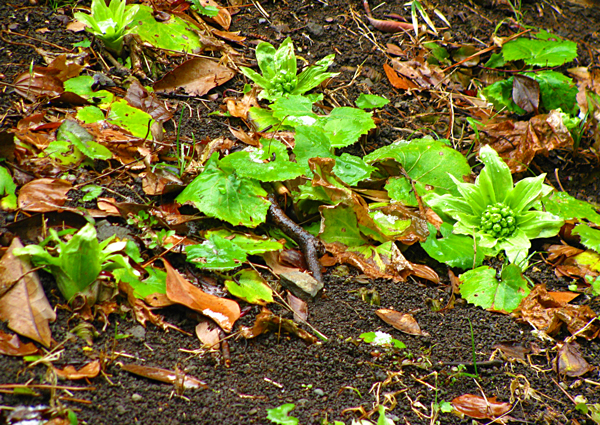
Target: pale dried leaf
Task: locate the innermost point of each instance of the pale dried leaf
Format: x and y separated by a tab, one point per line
196	77
43	195
90	370
404	322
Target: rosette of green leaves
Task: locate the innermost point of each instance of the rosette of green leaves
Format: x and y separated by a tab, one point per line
501	216
109	23
279	71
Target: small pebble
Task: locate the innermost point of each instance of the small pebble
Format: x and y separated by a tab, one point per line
121	410
319	392
136	397
262	20
138	332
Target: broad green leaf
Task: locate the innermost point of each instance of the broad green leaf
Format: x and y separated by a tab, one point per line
590	238
284	60
557	91
90	114
344	126
279	415
526	193
381	339
263	118
7	191
453	250
251	244
155	283
265	56
294	110
383	419
91	191
495	61
547	53
400	190
82	86
370	101
219	192
567	207
172	34
426	161
81	261
259	163
341	225
250	286
480	287
125	116
311	142
216	253
351	169
589	259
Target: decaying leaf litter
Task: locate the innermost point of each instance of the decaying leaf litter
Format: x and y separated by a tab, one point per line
332	358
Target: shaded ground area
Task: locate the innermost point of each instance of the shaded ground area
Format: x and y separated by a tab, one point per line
333	379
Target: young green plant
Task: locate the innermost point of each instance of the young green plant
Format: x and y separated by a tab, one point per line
279	70
109	23
500	215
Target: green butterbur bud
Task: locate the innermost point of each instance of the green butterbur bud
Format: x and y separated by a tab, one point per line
498	220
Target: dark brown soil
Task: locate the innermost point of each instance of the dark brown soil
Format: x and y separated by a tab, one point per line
327	380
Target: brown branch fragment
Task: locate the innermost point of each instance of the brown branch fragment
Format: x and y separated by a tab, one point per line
310	246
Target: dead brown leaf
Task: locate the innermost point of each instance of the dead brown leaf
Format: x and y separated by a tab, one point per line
43	195
267	321
208	334
11	345
570	362
543	312
518	142
298	306
404	322
222	310
196	77
526	93
90	370
478	407
396	80
138	97
23	303
167	376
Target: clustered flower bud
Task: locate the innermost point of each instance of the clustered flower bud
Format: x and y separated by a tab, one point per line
498	220
284	83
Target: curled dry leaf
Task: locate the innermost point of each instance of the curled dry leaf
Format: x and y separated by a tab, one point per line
267	321
570	362
419	73
404	322
23	303
165	375
526	93
396	80
11	345
138	97
43	195
90	370
390	26
222	310
478	407
208	334
298	306
545	313
196	77
519	142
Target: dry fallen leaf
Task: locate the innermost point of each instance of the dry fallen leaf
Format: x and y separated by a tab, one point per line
396	80
267	321
196	77
10	345
208	334
404	322
43	195
222	310
518	142
90	370
570	362
545	313
23	303
165	375
478	407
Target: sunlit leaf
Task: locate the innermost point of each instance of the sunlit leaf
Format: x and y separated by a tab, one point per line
250	286
455	250
216	253
279	415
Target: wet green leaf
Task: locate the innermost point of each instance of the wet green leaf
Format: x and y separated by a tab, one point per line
454	250
126	116
400	190
590	238
547	53
480	287
251	244
216	253
173	34
567	207
344	126
351	169
279	415
427	161
90	114
219	192
7	190
341	225
370	101
250	286
82	86
155	283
